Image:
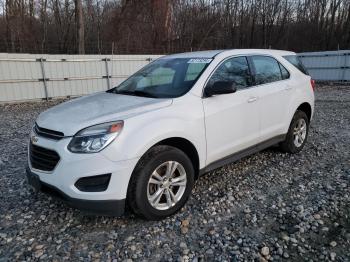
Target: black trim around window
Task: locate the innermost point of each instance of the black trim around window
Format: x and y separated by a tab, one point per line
251	71
282	66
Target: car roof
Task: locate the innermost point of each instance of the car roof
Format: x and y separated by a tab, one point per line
197	54
213	53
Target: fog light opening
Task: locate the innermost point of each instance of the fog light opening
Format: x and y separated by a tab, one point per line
93	183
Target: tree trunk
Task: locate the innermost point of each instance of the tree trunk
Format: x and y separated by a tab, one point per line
79	20
10	26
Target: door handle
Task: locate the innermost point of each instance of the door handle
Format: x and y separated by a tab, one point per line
252	99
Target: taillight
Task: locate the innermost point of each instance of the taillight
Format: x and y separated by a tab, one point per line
313	84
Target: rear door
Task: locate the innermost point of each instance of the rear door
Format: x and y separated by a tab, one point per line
274	89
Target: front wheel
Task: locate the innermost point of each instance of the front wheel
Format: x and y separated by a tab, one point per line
297	133
161	183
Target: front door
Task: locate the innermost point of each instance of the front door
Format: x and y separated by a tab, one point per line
231	120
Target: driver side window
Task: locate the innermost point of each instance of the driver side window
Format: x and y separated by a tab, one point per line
235	70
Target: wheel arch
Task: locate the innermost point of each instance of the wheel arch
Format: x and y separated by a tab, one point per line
186	146
306	108
182	144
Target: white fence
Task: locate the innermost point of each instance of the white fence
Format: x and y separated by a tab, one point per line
328	66
25	77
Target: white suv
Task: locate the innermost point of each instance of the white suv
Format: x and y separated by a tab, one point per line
144	143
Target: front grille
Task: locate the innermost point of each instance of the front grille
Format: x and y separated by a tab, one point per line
43	158
48	133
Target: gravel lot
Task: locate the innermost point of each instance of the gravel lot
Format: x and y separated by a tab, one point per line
270	206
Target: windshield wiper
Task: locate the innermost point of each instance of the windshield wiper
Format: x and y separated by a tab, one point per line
143	93
135	93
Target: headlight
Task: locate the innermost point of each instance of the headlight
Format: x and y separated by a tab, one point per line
95	138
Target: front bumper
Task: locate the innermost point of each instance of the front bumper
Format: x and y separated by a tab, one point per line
99	207
61	181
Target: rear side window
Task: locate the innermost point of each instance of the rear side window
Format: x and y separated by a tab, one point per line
267	70
295	61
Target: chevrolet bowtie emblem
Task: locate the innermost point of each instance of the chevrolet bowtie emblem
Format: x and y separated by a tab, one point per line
34	139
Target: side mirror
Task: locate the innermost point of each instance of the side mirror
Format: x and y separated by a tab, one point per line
220	88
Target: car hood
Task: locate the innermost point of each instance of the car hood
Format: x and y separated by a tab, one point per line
79	113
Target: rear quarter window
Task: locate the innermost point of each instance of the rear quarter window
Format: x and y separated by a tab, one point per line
295	61
284	72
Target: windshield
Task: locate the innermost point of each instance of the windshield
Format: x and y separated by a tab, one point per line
164	78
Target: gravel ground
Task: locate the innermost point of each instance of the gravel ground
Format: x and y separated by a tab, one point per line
269	206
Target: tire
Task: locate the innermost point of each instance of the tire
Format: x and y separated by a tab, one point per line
291	144
142	191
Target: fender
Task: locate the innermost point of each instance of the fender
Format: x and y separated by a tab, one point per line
169	122
300	97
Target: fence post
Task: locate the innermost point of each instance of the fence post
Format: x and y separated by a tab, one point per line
107	74
345	57
44	77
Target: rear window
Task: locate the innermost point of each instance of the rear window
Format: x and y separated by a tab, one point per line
295	61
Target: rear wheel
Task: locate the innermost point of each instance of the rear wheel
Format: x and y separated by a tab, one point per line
297	133
161	183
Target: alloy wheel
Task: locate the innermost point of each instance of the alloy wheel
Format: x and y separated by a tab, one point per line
299	132
166	185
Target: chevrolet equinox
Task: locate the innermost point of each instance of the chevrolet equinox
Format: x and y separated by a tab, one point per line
143	144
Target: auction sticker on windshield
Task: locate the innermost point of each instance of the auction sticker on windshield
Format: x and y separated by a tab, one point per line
199	61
